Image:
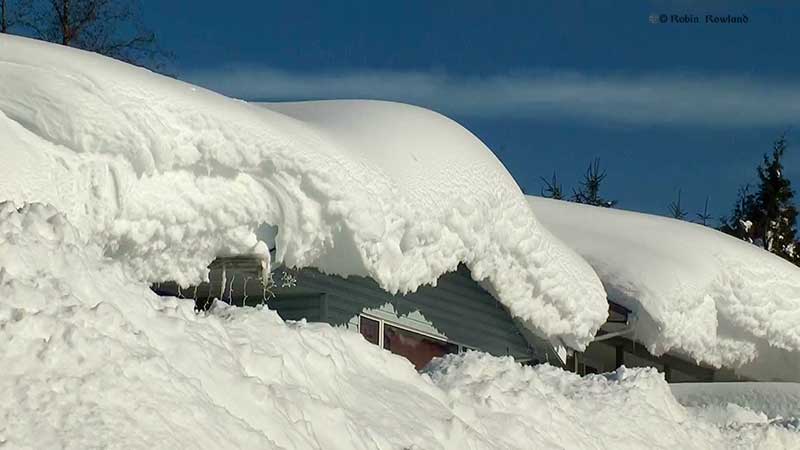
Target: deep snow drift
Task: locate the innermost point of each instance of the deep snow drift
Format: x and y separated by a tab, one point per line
166	176
695	290
93	359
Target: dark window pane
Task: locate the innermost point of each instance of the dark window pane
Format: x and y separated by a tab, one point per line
370	329
415	347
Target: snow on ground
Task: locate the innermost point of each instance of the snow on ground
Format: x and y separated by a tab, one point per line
628	408
775	400
150	178
742	406
93	359
695	290
166	176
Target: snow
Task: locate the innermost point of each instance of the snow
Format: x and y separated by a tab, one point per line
93	359
774	400
148	178
695	291
166	176
628	408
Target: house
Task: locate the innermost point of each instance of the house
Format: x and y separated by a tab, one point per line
642	260
454	316
698	298
677	289
615	346
458	314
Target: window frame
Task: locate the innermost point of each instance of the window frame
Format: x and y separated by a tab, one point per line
381	322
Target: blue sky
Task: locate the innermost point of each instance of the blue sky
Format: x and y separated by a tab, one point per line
548	87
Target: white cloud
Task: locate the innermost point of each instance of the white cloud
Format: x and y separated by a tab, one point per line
670	99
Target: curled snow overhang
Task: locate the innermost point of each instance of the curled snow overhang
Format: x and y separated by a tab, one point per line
166	176
695	290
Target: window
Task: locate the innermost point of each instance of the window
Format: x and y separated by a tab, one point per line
617	313
370	329
416	347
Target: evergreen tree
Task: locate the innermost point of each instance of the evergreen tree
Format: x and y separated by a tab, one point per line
775	215
704	217
589	192
676	211
552	189
739	224
768	217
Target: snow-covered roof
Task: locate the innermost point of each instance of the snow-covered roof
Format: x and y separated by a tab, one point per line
695	290
166	176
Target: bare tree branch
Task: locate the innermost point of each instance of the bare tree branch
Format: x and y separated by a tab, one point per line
109	27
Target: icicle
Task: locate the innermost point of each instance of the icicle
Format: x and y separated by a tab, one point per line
244	299
224	282
230	289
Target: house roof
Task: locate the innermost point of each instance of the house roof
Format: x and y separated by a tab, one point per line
691	288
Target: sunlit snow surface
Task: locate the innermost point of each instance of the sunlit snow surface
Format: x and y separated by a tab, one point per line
93	359
695	290
150	178
166	176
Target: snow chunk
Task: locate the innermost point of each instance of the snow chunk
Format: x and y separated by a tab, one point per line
165	176
695	290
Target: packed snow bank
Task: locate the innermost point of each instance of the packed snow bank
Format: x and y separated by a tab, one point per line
695	290
166	176
743	403
628	408
93	359
775	400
